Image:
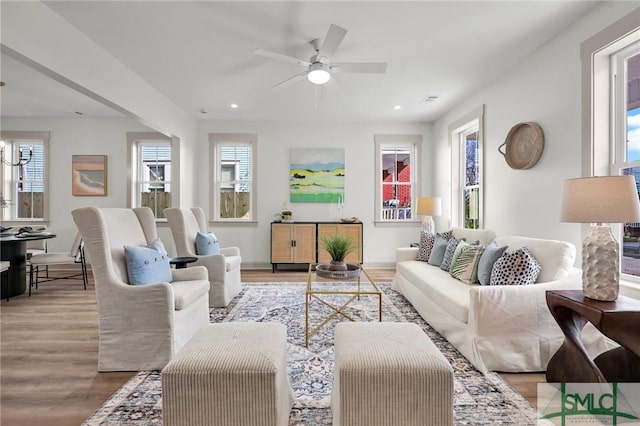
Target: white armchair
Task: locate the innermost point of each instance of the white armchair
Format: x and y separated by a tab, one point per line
224	268
141	326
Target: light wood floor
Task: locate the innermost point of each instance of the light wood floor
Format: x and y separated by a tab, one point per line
49	351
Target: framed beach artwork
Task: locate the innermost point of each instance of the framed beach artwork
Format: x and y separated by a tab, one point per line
316	175
89	175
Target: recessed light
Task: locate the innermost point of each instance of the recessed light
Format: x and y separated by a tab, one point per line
234	106
203	111
397	107
78	113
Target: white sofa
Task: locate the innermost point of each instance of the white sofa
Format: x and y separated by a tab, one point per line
497	328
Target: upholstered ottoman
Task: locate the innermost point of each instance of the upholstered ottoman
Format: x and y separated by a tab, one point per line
389	374
231	374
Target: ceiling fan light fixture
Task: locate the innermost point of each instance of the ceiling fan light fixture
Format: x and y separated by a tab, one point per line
319	73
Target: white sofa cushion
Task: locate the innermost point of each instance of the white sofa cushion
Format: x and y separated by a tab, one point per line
555	257
451	294
485	236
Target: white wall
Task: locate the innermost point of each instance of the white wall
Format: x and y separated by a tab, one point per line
72	136
544	88
274	142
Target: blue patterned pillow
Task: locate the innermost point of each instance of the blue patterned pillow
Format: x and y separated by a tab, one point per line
148	265
452	245
206	244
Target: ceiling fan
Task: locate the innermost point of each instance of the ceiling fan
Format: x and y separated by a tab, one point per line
319	66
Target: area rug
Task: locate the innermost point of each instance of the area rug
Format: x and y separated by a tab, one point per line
479	399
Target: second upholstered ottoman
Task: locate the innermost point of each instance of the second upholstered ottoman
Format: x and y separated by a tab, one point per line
389	374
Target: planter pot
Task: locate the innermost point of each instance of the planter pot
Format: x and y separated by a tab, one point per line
352	271
338	265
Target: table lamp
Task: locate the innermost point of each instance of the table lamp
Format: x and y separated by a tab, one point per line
428	207
598	200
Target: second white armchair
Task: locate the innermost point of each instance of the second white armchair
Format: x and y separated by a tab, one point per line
224	268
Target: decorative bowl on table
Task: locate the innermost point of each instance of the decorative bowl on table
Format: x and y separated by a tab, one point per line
349	219
353	271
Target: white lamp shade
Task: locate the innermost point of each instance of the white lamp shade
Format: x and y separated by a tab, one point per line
430	206
600	199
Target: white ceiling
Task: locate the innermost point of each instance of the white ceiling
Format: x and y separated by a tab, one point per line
200	55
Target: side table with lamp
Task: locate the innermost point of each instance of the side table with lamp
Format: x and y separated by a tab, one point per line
597	200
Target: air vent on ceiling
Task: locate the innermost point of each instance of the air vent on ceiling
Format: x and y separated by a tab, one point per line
430	98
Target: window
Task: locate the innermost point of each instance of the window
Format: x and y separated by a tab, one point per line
610	81
23	193
233	159
466	160
152	171
626	94
397	177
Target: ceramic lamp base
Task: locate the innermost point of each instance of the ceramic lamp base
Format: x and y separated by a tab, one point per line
600	265
428	225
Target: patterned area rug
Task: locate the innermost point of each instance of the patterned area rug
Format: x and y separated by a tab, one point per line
479	399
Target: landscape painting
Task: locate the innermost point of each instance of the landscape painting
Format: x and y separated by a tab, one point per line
89	175
316	175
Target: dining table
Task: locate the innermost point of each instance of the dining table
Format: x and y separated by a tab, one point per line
13	247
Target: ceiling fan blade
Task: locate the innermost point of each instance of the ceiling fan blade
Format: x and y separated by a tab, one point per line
361	67
281	57
331	41
290	80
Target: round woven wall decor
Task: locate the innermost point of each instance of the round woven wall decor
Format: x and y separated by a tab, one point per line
523	146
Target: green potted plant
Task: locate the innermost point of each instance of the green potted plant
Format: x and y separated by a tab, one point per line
338	246
286	216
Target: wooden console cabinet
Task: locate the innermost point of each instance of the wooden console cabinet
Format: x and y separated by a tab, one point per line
299	243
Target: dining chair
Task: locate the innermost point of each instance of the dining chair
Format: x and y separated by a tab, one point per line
75	256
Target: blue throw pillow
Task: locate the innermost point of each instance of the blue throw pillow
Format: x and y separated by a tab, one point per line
491	253
437	252
206	244
148	265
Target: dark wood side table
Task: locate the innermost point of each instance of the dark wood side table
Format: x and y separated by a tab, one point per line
181	262
618	320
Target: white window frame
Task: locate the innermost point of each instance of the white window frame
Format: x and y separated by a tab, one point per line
414	144
465	125
134	141
8	174
600	155
216	141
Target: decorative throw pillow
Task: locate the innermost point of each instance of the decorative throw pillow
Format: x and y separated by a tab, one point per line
437	253
452	245
517	268
206	244
489	256
427	241
148	265
464	265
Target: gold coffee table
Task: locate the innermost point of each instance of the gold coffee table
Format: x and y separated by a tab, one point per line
317	291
